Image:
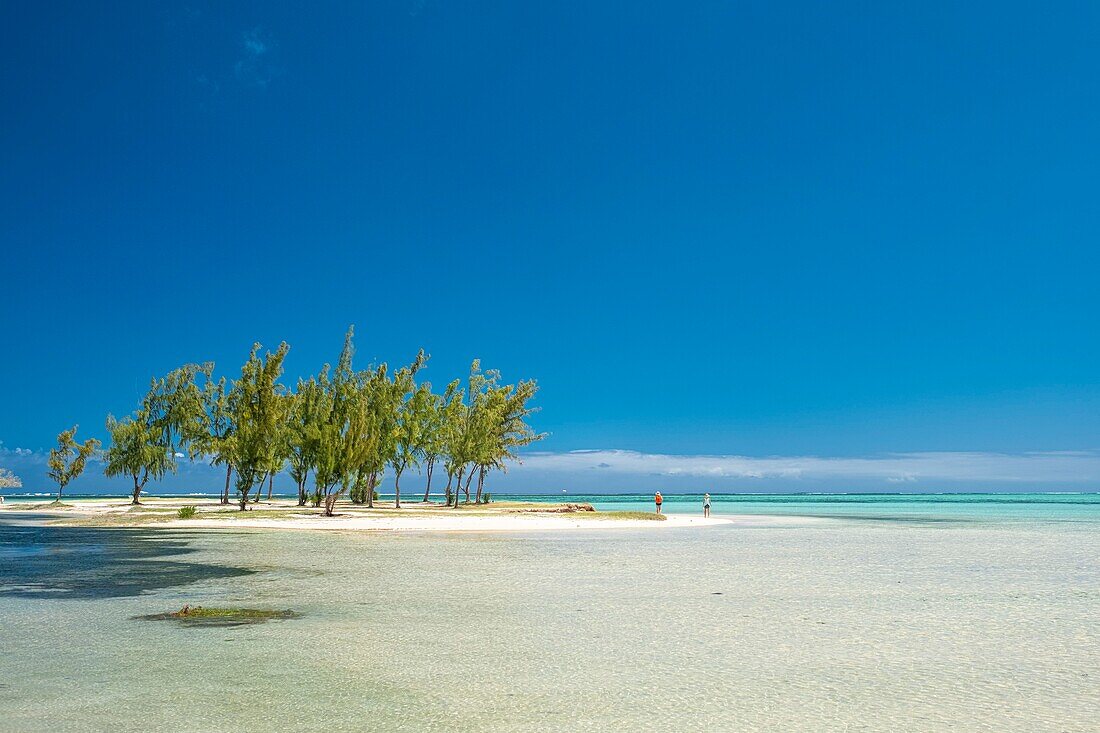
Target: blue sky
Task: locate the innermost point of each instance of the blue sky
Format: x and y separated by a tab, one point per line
713	231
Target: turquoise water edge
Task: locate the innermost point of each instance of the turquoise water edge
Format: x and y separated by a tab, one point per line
1024	506
872	506
950	612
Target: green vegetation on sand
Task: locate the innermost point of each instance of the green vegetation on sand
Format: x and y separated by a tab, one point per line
579	511
218	617
651	516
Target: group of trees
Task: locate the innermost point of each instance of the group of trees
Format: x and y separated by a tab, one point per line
342	427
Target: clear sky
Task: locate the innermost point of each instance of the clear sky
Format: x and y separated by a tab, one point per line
713	231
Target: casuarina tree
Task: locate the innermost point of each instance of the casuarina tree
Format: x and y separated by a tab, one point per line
257	404
136	451
67	460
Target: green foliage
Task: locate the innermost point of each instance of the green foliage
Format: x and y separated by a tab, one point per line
174	407
219	617
68	459
344	426
325	435
307	411
352	429
137	451
364	428
186	512
484	426
646	516
175	415
257	405
414	416
213	433
430	446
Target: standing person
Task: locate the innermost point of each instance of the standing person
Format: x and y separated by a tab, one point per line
706	505
657	500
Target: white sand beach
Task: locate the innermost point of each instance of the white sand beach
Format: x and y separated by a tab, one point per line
412	517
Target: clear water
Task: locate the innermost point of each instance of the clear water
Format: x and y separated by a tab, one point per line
1067	506
891	507
882	619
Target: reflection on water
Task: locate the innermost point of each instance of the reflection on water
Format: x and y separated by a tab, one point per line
44	561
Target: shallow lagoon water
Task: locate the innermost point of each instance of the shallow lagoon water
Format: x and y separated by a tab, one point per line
832	624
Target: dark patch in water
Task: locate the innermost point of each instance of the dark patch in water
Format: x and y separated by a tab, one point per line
219	618
41	561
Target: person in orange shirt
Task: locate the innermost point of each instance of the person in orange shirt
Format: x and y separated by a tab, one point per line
657	499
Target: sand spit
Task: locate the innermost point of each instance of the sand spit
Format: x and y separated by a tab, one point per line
412	517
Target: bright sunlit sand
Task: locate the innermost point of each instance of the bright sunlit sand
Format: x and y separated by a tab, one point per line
412	516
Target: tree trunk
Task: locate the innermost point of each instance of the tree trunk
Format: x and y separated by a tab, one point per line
137	491
302	492
396	489
458	484
244	498
466	489
225	493
480	484
428	488
270	479
370	489
330	501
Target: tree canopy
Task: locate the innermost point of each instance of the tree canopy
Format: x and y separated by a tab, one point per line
136	451
343	426
68	459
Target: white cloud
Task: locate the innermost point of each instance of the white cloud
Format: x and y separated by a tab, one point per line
1044	467
20	454
614	471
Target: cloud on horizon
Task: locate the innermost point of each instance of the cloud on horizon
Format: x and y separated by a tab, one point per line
625	470
961	466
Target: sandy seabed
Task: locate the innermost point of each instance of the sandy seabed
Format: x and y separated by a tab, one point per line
884	625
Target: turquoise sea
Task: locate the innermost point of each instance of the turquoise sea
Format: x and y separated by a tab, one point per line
1032	506
887	507
850	612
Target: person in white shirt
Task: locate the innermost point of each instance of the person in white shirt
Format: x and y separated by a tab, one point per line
706	505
